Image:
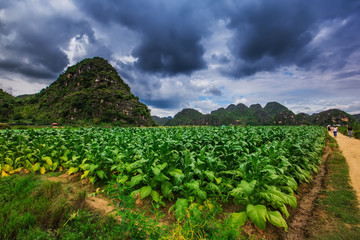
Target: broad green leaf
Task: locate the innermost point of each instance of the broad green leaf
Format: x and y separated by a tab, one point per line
172	208
195	211
178	175
93	167
162	166
46	166
136	179
53	153
8	168
101	174
201	194
193	185
248	187
161	177
155	196
284	210
17	160
47	160
257	215
64	158
28	165
73	170
145	191
92	179
84	166
213	187
16	170
276	219
166	188
35	167
133	193
84	160
238	219
9	161
86	173
123	179
42	170
237	192
210	175
278	197
235	173
135	165
290	181
156	170
175	172
273	198
54	166
218	180
180	209
291	200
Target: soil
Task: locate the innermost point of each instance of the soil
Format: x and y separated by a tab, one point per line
307	195
94	201
350	148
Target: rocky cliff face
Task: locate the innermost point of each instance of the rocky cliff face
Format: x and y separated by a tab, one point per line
332	116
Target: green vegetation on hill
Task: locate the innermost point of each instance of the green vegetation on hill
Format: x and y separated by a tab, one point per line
7	105
90	92
357	116
272	114
160	120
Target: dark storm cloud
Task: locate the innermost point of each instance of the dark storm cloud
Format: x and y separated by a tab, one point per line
214	91
37	47
163	103
163	48
170	31
348	74
270	34
17	66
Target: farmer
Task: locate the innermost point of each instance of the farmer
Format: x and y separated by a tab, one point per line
349	130
335	130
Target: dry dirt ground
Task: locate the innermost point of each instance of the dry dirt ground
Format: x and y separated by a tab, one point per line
73	183
350	148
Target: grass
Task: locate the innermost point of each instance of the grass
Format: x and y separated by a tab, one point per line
33	208
339	201
29	205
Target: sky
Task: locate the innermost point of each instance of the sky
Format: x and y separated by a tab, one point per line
207	54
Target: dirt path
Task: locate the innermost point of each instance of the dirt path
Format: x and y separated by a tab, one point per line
350	148
298	224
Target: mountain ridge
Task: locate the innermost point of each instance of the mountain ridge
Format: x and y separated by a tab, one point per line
273	113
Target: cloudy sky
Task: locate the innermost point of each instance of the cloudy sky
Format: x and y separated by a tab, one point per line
206	54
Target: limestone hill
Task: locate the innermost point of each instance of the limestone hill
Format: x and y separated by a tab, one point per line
272	114
89	92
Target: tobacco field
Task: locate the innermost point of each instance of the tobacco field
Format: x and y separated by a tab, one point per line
258	168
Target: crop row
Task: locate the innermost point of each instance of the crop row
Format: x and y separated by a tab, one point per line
257	167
